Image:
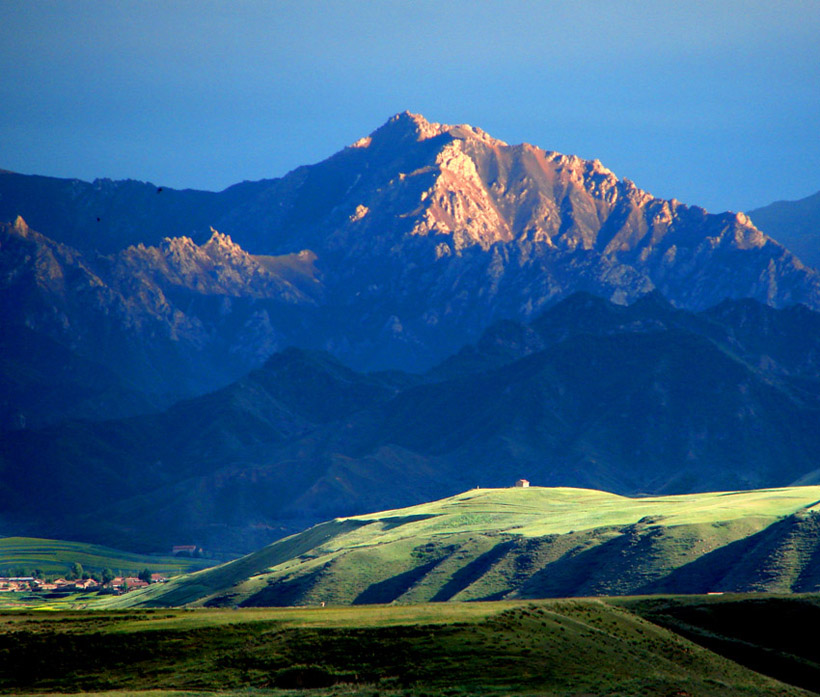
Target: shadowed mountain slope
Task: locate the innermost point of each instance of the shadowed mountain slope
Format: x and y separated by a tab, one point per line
41	381
163	473
174	319
636	400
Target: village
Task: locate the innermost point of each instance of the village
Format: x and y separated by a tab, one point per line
116	585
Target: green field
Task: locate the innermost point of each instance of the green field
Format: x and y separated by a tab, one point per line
633	646
489	544
56	557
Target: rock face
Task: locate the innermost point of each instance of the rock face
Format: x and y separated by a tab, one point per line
393	253
464	229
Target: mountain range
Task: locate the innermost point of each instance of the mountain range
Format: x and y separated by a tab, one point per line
392	254
427	310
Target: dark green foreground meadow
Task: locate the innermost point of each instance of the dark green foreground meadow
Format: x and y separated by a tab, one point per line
615	646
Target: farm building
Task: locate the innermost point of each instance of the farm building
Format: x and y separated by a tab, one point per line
521	483
183	549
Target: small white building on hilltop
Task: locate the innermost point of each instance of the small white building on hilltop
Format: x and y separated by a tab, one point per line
522	483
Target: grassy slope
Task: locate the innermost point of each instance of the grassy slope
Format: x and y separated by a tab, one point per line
536	542
57	557
557	647
769	634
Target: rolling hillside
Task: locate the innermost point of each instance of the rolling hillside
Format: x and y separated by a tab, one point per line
490	544
58	556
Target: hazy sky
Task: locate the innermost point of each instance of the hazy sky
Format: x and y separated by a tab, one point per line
715	103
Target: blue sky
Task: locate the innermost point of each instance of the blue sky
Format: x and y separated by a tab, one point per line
714	103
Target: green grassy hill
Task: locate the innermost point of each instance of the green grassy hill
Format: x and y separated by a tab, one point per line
56	557
490	544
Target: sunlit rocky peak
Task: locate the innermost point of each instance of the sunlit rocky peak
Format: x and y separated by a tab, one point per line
223	243
408	124
20	226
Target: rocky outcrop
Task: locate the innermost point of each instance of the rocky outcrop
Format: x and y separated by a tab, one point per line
172	319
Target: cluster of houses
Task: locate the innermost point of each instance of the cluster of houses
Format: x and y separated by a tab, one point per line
119	584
